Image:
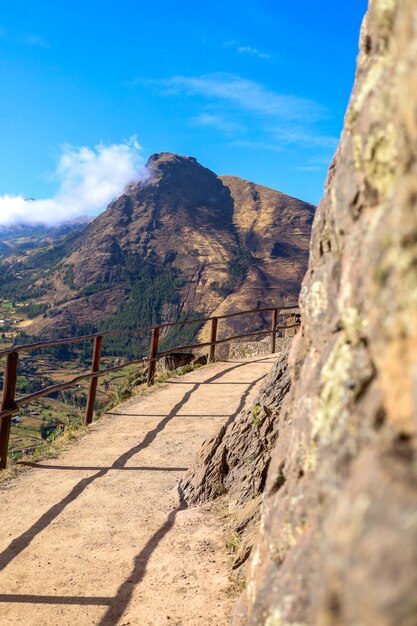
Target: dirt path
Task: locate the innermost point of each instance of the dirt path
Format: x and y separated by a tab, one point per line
98	536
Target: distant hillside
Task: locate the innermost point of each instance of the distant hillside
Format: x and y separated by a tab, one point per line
186	242
24	237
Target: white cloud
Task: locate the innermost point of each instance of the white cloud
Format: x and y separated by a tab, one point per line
304	146
298	135
217	121
246	50
89	178
254	52
309	168
248	95
256	144
258	117
317	163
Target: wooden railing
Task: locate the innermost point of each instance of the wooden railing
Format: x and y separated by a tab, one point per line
10	404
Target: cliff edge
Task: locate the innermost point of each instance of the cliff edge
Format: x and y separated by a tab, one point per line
337	540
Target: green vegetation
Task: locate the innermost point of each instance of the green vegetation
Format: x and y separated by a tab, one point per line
40	425
68	277
34	309
125	390
152	290
153	294
92	289
256	409
47	256
15	288
233	542
37	450
237	268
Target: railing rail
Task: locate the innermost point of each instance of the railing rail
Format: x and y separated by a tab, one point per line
9	403
135	331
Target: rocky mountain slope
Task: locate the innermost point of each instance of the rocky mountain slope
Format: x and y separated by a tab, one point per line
337	540
185	241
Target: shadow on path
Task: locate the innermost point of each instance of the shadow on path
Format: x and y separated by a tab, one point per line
119	603
77	600
124	593
94	468
126	589
162	415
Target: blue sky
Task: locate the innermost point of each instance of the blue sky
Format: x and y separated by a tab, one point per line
254	88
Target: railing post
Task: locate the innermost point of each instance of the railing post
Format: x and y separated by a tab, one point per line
274	331
95	367
7	402
213	338
153	353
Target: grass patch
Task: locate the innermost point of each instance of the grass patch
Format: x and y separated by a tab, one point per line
233	542
256	409
47	450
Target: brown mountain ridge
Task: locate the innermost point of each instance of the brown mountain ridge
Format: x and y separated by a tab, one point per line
186	241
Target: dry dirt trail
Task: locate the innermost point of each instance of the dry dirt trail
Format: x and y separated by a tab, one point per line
98	536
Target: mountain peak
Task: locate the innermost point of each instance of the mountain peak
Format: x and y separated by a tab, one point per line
164	164
221	242
169	157
183	181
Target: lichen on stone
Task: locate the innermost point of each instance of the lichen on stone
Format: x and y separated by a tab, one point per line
276	619
316	300
384	12
357	149
353	323
380	158
334	377
368	85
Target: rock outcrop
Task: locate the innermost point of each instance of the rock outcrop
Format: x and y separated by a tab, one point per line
236	459
337	541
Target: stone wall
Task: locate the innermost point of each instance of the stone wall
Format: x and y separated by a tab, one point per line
337	544
256	348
